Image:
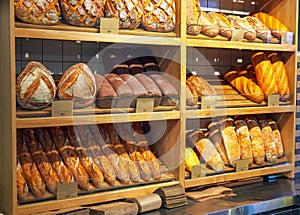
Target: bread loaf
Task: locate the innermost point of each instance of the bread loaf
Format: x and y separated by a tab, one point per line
280	76
193	17
208	152
200	85
230	140
45	139
223	23
243	136
257	144
48	174
68	153
191	95
273	23
77	84
149	62
42	12
269	141
244	85
215	137
137	88
84	13
264	73
106	95
128	12
208	25
35	86
31	173
277	138
241	23
159	16
22	187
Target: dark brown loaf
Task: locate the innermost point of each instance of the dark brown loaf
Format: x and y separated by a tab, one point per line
42	12
137	88
35	86
77	84
82	12
106	95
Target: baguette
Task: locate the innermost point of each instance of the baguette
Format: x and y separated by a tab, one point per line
269	141
277	137
48	174
22	187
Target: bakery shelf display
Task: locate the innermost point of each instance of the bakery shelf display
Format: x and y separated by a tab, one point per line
179	105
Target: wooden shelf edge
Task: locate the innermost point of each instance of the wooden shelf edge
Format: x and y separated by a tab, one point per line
91	198
96	119
238	175
190	114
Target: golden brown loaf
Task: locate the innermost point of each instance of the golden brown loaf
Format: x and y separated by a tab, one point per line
209	153
77	84
273	23
230	140
22	187
244	85
193	17
128	12
223	23
269	141
257	144
277	138
201	86
241	23
159	16
264	73
191	95
281	77
41	12
243	136
82	12
35	86
208	25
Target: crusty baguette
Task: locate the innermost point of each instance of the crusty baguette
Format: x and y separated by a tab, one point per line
22	187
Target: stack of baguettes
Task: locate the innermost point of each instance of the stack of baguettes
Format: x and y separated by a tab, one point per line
256	139
86	154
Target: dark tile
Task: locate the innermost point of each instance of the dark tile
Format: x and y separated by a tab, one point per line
52	50
32	50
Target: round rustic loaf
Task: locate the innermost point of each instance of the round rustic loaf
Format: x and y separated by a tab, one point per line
77	84
35	86
42	12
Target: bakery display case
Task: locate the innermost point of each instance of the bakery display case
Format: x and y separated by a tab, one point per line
152	48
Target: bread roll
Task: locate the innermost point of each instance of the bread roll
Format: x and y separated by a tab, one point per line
193	17
277	138
208	25
159	16
208	152
230	140
22	187
257	144
269	141
264	73
273	23
106	95
240	23
281	77
244	85
84	13
77	84
215	137
35	86
42	12
243	136
223	23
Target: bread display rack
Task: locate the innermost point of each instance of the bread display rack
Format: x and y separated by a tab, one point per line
177	54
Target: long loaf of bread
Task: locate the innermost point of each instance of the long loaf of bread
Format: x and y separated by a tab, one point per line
269	141
22	187
277	138
223	23
208	25
264	73
193	17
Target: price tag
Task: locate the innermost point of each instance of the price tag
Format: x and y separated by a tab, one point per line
109	25
237	34
66	191
287	37
273	100
62	108
241	165
198	171
208	102
144	105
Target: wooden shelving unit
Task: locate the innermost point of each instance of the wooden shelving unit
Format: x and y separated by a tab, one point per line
173	140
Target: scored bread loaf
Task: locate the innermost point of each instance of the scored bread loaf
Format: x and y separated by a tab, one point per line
244	85
208	152
269	141
208	25
243	136
277	137
240	23
159	16
230	140
105	96
281	76
191	95
264	73
200	85
35	86
42	12
22	187
82	12
193	17
77	84
223	23
257	144
273	23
